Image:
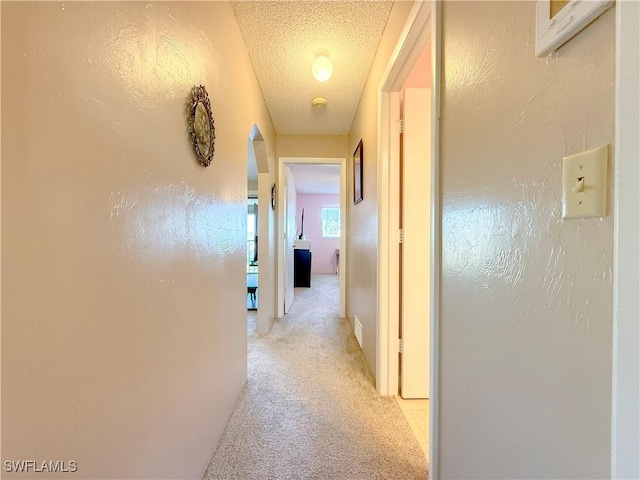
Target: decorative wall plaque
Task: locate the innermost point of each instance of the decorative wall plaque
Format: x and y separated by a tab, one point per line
201	126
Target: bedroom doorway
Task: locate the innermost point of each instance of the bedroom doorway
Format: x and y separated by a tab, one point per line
286	249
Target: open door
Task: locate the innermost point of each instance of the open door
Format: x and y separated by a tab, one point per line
289	235
416	243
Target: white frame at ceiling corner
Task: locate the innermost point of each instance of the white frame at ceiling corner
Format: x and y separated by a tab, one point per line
552	33
422	28
625	399
342	162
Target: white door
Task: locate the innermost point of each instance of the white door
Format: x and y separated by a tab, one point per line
290	235
416	221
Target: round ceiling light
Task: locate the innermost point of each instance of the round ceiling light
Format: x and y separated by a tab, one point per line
322	68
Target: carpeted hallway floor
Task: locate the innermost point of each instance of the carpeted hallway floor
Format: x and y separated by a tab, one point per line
310	410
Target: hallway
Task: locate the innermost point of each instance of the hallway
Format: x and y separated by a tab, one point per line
310	409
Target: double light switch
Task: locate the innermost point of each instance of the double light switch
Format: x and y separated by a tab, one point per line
584	184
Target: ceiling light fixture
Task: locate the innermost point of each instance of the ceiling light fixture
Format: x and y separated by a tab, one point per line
322	67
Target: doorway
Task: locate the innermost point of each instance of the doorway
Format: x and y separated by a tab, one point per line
287	234
421	33
259	185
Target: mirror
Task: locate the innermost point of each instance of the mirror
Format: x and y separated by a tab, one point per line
201	127
201	124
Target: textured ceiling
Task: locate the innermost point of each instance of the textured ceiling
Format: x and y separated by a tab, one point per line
282	38
318	179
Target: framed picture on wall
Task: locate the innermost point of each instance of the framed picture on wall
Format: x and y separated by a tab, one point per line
357	173
557	21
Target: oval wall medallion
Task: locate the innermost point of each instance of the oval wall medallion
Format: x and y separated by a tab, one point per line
201	125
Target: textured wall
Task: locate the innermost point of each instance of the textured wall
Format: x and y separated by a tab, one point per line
362	231
323	249
315	146
526	297
123	327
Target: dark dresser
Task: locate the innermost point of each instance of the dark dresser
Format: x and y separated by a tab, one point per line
301	267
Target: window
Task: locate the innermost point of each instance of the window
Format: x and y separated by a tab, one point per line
330	222
252	235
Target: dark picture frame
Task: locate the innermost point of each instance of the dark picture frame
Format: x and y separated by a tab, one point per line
273	197
358	157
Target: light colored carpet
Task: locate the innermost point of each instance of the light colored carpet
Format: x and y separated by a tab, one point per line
310	409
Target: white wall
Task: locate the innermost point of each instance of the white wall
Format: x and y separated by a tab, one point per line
362	231
420	75
123	327
312	146
267	278
526	309
324	259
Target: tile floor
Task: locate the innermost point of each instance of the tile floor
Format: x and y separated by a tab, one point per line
417	414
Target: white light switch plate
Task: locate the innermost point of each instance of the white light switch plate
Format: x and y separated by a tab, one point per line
586	198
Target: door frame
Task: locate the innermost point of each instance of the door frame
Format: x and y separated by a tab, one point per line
342	162
625	401
422	29
288	267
